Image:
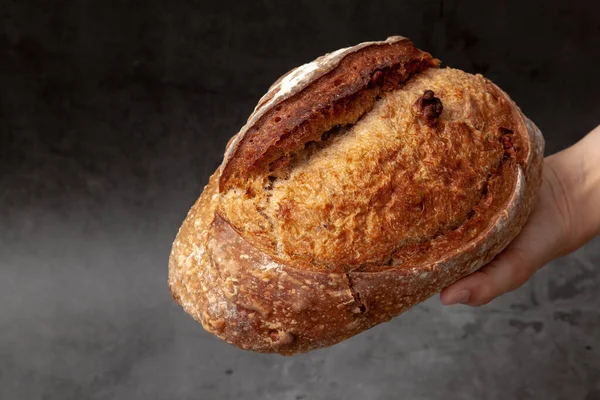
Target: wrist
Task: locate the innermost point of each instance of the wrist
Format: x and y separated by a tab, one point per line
575	177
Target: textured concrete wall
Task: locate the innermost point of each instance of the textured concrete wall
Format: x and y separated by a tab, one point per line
114	113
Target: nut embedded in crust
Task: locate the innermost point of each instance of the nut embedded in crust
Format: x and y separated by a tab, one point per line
377	79
428	108
280	338
507	143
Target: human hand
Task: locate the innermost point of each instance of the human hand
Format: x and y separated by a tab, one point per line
566	216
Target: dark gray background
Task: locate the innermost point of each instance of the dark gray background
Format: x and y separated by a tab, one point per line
114	113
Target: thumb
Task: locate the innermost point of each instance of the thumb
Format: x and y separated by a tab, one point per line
508	271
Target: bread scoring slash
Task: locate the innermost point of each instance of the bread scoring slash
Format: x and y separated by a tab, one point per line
363	183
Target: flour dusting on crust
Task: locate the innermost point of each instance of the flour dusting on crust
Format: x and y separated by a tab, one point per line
294	82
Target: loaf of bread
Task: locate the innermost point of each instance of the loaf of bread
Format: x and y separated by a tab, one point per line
363	183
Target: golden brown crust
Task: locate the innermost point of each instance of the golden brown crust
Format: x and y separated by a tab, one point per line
388	182
273	285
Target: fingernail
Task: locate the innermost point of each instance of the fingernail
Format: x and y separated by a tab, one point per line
461	297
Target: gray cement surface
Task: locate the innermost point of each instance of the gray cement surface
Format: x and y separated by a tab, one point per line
114	113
